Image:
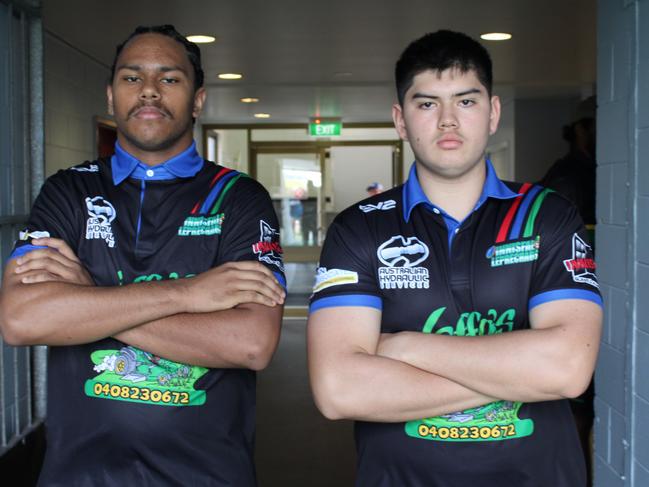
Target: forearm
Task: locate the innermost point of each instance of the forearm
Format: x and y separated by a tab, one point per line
368	387
242	337
58	313
526	365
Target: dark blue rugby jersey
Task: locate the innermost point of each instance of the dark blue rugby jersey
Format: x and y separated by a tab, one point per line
121	416
522	246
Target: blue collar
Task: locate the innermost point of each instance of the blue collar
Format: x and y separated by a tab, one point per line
413	195
184	165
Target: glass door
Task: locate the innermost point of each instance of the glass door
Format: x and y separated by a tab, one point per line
294	178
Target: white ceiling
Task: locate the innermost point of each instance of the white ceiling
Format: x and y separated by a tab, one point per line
290	50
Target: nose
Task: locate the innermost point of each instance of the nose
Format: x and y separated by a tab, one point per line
447	119
149	90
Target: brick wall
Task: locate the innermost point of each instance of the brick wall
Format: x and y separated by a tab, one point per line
622	382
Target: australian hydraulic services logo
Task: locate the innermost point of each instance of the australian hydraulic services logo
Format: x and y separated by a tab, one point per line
102	213
401	255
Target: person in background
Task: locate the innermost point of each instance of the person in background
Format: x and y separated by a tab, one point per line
374	188
574	176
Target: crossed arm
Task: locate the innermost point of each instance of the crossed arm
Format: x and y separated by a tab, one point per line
357	373
228	316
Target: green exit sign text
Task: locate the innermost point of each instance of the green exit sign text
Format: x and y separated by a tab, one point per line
324	128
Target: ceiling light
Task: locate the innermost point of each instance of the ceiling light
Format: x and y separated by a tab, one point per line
262	115
201	39
230	75
249	100
496	36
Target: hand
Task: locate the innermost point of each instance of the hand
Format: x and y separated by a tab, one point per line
56	263
231	284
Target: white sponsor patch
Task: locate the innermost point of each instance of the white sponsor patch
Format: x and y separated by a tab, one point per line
381	205
26	235
401	254
102	213
333	277
90	168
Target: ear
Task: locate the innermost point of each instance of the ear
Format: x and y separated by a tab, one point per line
199	101
399	122
494	116
109	99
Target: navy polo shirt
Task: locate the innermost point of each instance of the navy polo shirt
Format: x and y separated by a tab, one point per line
522	245
118	415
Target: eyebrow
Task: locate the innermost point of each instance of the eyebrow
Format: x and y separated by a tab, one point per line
162	69
455	95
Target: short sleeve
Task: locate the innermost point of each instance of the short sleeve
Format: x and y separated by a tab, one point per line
250	228
51	216
346	275
566	268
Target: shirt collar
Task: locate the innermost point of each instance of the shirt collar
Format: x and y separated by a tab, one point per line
414	195
184	165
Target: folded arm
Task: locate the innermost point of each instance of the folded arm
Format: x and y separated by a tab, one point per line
242	337
48	298
350	381
552	360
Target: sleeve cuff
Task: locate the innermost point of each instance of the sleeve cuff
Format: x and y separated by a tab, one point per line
20	251
366	300
559	294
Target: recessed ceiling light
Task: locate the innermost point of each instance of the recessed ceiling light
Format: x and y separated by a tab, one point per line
249	100
262	115
201	39
230	75
496	36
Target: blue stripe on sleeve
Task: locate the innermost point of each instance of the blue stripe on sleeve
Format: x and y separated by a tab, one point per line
365	300
20	251
281	279
559	294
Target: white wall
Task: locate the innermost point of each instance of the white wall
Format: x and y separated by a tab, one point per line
356	167
75	92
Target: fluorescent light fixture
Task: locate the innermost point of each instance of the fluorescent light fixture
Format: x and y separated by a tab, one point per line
496	36
201	39
249	99
262	115
230	75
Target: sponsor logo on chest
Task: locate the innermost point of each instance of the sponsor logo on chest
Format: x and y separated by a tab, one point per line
195	226
102	213
514	252
401	255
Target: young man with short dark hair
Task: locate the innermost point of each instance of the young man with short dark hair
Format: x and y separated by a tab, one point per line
467	301
156	278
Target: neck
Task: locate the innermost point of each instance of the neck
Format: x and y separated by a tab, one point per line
456	196
155	157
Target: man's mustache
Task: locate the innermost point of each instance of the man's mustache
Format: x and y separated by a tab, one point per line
133	111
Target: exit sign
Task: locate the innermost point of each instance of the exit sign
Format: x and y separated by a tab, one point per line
325	128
